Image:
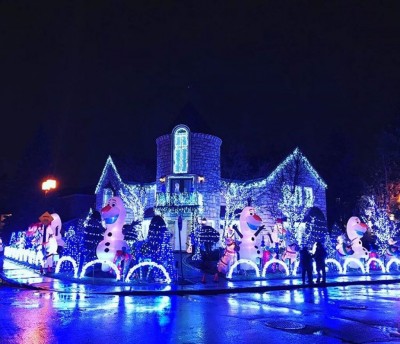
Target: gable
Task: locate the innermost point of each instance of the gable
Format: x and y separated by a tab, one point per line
109	174
297	154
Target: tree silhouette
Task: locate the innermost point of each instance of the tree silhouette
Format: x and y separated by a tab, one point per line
157	248
93	233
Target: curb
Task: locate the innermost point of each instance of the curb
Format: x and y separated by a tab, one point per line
195	289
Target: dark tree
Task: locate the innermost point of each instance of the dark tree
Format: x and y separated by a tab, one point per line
158	249
93	233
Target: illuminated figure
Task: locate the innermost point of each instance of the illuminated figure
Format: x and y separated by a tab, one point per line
56	226
123	261
278	238
393	249
48	242
229	256
355	231
343	247
113	214
290	255
250	227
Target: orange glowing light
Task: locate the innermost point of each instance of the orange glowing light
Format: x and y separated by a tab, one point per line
49	184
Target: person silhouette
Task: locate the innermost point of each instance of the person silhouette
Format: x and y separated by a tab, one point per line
306	265
319	257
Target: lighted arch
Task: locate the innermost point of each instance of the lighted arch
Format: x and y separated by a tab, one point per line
9	251
390	262
65	259
379	261
24	255
31	257
15	252
20	255
243	261
137	266
102	261
274	261
335	262
349	260
295	267
39	258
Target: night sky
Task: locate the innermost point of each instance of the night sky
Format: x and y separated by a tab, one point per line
101	78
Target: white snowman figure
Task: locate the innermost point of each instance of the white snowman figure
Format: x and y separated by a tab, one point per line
113	214
250	223
355	231
56	227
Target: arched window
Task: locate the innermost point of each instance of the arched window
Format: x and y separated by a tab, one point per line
181	150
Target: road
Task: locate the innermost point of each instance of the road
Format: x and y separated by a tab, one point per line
344	314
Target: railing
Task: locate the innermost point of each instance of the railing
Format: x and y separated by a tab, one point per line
178	199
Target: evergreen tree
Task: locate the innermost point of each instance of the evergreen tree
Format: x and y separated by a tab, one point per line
13	239
330	246
315	226
208	236
130	232
384	229
74	242
131	236
93	233
158	249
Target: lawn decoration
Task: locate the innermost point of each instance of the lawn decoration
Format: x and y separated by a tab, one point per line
343	247
49	242
123	261
56	227
250	227
278	238
355	231
157	249
290	255
274	244
113	214
229	256
373	255
33	236
393	249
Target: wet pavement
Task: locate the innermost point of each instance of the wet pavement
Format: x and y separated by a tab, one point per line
57	309
344	314
20	275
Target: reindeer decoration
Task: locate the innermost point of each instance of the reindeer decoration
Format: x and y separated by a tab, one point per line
230	254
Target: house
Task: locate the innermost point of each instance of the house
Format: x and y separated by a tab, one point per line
188	187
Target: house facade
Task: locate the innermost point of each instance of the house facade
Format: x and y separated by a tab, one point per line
189	188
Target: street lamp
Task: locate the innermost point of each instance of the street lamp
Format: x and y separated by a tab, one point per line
3	218
48	185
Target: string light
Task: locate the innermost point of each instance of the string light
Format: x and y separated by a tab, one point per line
157	248
379	221
181	149
296	155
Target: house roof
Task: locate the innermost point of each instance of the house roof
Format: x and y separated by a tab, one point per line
133	171
295	154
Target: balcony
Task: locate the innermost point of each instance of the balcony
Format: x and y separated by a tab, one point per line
178	201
